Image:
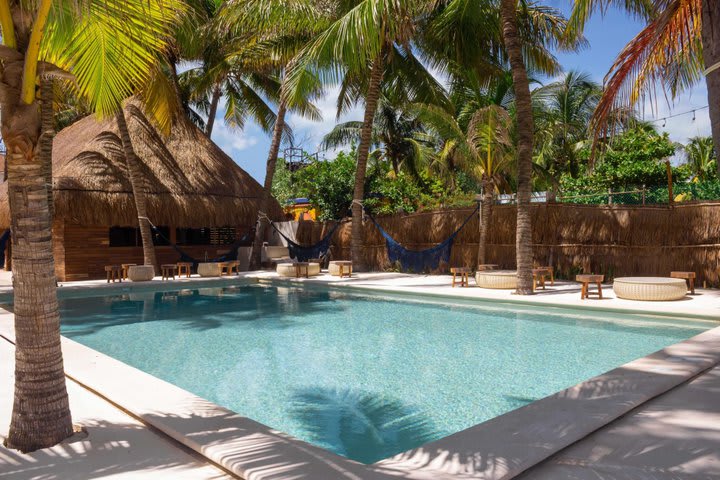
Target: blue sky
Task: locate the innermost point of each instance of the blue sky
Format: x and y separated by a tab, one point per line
607	36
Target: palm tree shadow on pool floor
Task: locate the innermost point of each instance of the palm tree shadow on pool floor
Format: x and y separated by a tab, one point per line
361	425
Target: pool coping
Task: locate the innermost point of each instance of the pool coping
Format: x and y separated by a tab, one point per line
520	300
499	448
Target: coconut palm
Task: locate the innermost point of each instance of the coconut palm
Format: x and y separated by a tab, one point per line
701	157
678	46
300	19
109	46
564	111
525	145
484	150
398	136
356	51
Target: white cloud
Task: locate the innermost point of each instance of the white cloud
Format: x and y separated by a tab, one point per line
232	141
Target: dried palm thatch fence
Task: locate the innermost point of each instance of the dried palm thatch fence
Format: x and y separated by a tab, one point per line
615	240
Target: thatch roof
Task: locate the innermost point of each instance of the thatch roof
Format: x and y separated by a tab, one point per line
191	182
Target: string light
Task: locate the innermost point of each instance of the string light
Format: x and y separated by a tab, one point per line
665	119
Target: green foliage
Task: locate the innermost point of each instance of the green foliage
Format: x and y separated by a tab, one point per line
282	186
634	159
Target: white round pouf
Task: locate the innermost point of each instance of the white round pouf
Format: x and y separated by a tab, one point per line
499	279
141	273
650	289
209	269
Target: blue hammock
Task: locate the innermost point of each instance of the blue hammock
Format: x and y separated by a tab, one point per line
3	246
420	261
306	253
228	257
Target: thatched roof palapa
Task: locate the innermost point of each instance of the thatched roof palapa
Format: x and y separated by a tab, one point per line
190	181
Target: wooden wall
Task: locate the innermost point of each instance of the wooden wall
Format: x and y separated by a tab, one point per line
614	240
81	252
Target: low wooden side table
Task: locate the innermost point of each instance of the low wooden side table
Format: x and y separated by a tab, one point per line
550	271
125	267
302	269
689	277
344	268
539	275
183	268
586	280
114	273
168	271
464	272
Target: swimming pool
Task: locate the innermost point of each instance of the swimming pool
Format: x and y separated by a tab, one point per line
363	376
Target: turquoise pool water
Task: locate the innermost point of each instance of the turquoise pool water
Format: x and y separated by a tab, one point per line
365	377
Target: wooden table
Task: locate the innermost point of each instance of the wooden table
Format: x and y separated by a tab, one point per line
539	275
486	266
550	272
689	277
464	272
586	280
184	269
228	267
168	270
300	267
125	267
344	268
114	272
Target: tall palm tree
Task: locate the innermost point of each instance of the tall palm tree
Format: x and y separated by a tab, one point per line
399	136
356	51
565	109
701	157
678	46
525	131
484	149
259	20
109	45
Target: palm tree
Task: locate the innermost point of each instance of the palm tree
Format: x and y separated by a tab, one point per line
484	150
565	110
356	51
259	19
701	157
51	38
399	136
678	46
525	130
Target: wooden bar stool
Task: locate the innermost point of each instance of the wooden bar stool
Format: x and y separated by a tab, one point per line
464	272
539	275
233	265
550	271
168	271
689	277
344	268
125	267
302	269
586	280
183	268
114	273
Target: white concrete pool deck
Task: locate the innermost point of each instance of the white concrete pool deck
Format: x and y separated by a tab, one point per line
657	417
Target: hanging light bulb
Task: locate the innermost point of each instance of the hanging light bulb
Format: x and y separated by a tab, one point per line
664	122
693	115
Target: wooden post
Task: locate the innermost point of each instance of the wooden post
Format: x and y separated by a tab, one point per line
643	194
671	197
610	200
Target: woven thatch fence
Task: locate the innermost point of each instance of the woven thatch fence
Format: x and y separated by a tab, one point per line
614	240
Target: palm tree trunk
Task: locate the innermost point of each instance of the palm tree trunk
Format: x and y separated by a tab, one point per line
485	215
213	110
508	13
137	183
41	412
262	222
371	103
46	137
711	55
